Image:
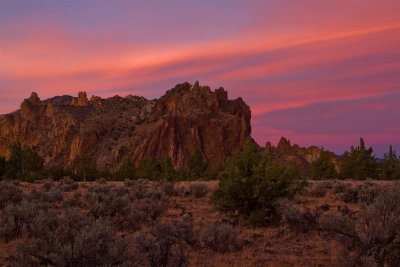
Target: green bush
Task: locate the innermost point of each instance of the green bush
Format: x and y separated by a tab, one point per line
322	167
359	163
24	164
197	165
154	169
86	168
127	170
252	186
390	167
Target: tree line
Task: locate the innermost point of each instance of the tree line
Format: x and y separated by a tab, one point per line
357	163
26	165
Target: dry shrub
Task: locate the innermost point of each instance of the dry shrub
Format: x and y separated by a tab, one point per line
198	190
138	188
53	195
349	194
220	237
72	202
298	221
16	219
167	244
9	194
66	184
143	210
105	201
167	187
73	240
376	231
368	192
101	180
339	186
319	189
47	185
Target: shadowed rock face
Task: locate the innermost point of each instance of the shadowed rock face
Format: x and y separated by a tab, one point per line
186	118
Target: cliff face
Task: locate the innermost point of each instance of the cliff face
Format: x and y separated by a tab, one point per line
186	118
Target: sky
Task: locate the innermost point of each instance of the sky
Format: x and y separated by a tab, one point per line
320	73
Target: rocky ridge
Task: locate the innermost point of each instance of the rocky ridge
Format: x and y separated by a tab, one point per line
188	117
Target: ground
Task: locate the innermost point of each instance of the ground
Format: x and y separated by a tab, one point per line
278	245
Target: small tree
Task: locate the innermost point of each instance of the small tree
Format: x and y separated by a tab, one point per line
168	170
155	169
23	163
86	168
323	167
252	186
127	170
197	165
390	167
359	163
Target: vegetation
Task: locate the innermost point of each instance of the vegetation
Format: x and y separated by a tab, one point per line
127	170
86	168
323	168
220	237
359	163
147	223
23	164
390	167
375	232
198	190
252	186
197	165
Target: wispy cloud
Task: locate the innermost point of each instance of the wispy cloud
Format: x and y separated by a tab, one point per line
279	56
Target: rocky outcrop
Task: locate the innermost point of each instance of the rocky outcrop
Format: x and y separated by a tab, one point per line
300	156
81	100
188	117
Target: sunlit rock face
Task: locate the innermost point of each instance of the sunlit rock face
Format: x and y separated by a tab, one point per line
188	117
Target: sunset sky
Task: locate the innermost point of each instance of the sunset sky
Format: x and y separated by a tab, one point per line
318	72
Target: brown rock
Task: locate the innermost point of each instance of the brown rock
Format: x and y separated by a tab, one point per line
95	100
81	100
186	118
299	156
34	98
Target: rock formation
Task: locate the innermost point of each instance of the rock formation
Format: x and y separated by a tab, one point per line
294	154
188	117
81	100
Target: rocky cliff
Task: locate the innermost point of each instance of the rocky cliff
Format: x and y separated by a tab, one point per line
186	118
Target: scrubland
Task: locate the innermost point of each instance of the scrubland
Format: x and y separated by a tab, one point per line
145	223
